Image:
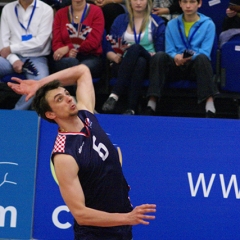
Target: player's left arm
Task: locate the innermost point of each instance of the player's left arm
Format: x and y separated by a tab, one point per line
71	190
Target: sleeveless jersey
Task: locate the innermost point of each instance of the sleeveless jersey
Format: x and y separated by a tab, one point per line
100	172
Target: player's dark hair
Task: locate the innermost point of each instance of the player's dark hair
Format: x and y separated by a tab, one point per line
40	104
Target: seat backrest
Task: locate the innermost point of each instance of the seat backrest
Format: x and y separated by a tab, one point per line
216	10
230	70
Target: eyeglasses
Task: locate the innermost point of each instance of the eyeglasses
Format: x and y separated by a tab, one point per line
190	2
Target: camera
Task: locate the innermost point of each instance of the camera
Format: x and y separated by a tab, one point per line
188	53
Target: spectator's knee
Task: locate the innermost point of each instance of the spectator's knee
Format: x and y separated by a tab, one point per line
202	58
158	57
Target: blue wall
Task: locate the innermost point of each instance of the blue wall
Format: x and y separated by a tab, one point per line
187	166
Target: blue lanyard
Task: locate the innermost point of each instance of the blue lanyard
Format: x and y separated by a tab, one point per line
83	15
31	16
187	44
136	38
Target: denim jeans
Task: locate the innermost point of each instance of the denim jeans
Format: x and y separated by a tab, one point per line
40	63
94	64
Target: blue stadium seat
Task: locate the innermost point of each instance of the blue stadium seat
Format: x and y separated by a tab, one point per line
183	83
216	10
230	70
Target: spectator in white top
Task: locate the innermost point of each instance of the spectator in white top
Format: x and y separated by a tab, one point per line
25	33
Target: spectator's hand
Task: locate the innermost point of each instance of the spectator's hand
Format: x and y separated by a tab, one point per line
180	61
59	53
24	87
5	52
17	66
117	58
73	53
160	11
138	214
230	13
234	8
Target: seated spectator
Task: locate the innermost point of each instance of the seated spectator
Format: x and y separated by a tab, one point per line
25	37
231	23
111	9
232	20
167	9
194	32
77	37
144	33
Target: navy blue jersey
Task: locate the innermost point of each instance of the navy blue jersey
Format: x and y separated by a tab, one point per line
100	171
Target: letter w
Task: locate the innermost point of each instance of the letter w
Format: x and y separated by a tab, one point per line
201	179
233	181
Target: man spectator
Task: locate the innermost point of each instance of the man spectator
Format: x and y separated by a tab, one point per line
189	42
25	34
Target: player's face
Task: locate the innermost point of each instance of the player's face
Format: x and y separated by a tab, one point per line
61	102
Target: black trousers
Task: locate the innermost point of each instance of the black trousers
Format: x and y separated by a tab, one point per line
163	69
131	74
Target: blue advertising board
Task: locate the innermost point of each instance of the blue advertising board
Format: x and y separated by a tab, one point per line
187	166
18	154
52	219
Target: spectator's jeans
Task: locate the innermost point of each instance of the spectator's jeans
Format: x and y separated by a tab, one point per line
94	64
131	74
163	69
40	63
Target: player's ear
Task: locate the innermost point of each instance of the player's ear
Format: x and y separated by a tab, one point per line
50	115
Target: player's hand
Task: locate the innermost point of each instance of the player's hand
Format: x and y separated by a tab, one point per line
139	214
24	87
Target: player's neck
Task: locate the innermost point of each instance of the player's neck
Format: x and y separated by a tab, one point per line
25	3
73	124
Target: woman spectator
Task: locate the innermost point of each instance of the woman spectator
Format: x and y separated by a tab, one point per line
144	33
77	37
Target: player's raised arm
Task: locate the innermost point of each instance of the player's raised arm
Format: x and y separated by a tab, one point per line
79	75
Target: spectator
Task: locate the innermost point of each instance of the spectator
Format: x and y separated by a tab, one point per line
111	9
167	9
231	23
25	33
77	37
194	32
144	32
232	20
